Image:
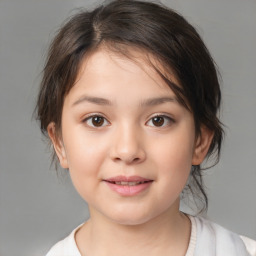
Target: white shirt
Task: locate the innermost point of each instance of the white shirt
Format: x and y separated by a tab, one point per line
206	239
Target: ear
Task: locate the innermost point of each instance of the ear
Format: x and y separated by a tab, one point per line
58	145
202	145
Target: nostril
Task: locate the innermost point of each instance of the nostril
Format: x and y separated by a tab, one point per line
128	156
134	160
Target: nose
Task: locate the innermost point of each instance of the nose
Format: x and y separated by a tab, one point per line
128	146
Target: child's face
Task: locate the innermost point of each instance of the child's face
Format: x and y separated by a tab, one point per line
121	123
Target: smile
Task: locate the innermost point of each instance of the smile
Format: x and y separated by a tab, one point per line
128	186
128	183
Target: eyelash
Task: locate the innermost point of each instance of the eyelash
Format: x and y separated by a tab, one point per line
165	118
89	118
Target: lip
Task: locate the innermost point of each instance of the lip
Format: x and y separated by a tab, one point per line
128	190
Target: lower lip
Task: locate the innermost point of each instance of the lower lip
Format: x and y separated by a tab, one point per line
125	190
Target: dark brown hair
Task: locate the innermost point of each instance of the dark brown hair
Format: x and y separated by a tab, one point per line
153	28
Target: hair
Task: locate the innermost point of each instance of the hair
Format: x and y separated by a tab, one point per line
127	24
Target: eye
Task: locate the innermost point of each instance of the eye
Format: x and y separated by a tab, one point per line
160	121
96	121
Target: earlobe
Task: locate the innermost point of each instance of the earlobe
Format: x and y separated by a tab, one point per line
58	145
202	145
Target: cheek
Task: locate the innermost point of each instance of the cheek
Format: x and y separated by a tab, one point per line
85	155
83	147
176	152
174	171
174	159
85	171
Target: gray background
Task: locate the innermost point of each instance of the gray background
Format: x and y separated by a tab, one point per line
37	208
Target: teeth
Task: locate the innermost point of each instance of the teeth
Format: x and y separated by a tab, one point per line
128	183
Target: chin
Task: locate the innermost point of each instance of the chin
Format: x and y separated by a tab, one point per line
130	222
131	219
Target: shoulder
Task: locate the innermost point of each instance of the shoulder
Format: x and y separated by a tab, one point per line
220	241
65	247
250	245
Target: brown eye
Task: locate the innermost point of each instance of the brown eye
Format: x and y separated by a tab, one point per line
96	121
158	121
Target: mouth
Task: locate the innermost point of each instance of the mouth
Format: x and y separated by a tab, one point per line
128	186
128	183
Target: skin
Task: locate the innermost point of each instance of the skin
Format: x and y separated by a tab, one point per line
128	142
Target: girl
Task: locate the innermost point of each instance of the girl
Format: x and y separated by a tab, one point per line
129	99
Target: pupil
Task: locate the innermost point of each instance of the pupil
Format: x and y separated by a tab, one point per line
97	121
158	121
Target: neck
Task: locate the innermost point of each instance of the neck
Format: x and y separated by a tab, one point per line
167	234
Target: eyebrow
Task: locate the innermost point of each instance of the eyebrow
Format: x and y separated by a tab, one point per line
95	100
158	101
144	103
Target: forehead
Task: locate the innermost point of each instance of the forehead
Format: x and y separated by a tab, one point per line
106	72
113	63
112	80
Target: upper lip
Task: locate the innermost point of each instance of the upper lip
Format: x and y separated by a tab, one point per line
122	178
